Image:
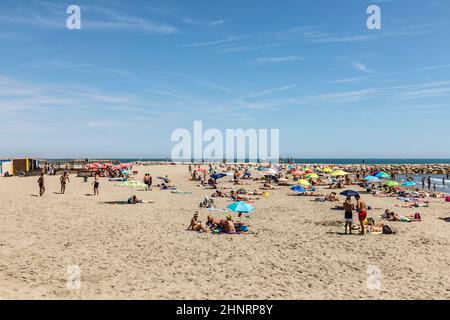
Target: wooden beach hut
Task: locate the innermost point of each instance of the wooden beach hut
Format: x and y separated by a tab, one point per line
19	166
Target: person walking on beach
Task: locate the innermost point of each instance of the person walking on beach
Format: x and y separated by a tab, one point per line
348	207
64	179
423	182
362	212
41	185
96	183
146	180
149	182
443	181
429	183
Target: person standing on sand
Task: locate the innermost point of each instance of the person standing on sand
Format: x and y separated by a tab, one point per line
429	183
96	183
423	182
362	212
41	185
348	207
64	179
149	182
146	180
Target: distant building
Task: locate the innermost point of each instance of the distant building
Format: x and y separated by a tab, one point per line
18	166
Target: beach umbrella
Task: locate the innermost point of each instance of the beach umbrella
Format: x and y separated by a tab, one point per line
201	170
292	167
312	176
304	182
382	175
218	175
241	207
391	183
338	173
349	193
327	170
409	184
269	172
372	179
298	188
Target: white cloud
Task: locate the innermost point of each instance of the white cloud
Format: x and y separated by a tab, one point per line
362	67
277	59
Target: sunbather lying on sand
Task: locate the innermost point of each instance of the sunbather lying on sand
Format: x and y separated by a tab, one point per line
267	186
134	200
217	194
332	197
445	219
196	225
254	193
392	216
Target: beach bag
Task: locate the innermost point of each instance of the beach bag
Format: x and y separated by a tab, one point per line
387	229
447	199
417	216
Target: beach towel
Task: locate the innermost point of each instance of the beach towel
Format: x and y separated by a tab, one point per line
217	209
180	192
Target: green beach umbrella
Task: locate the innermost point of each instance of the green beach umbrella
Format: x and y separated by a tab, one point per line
391	183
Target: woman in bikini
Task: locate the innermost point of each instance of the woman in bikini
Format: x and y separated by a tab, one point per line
64	179
197	225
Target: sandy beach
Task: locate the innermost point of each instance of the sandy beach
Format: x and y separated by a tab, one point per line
295	248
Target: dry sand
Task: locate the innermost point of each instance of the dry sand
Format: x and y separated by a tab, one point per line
143	251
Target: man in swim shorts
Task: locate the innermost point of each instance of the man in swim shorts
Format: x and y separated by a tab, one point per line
96	183
362	212
348	207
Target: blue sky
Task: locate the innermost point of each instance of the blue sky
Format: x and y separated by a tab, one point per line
137	70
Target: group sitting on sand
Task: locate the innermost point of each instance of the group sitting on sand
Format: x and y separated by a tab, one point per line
216	225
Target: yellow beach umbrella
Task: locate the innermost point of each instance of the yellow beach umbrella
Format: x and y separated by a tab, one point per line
339	173
327	170
312	176
304	182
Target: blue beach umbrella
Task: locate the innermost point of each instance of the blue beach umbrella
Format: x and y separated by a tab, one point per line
349	193
372	179
409	184
382	175
218	175
298	188
241	207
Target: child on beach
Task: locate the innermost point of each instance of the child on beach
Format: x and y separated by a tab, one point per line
348	207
